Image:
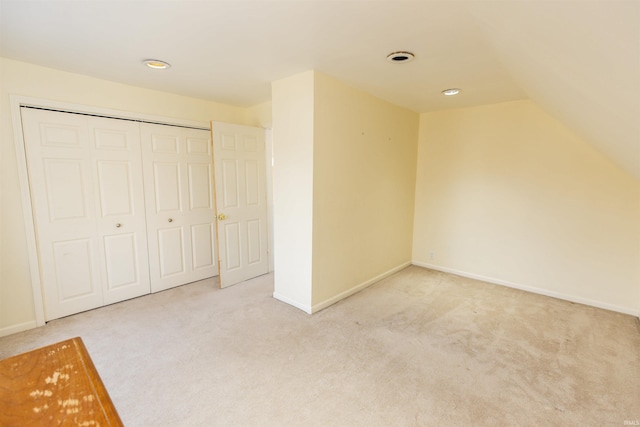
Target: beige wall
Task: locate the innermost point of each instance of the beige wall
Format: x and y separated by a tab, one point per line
363	188
260	115
506	192
16	300
344	180
293	188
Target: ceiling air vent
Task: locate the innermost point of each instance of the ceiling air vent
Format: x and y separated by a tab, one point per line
400	56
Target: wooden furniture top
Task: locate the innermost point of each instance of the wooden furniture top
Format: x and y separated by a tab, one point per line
54	385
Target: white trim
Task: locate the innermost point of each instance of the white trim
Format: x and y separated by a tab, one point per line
18	101
268	154
29	224
532	289
317	307
20	327
296	304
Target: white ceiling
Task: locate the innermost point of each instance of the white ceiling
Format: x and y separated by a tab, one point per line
580	60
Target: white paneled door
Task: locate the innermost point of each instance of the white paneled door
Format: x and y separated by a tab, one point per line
240	202
177	165
88	204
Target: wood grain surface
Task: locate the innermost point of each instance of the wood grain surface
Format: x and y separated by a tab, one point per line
57	385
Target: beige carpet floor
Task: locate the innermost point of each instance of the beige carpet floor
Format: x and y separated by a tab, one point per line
420	348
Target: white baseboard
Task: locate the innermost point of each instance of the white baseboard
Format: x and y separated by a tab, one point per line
532	289
326	303
14	329
296	304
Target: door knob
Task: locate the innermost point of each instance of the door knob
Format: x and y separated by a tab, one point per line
170	220
118	225
222	217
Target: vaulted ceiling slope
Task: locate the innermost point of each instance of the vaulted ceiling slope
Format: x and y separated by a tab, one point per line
580	60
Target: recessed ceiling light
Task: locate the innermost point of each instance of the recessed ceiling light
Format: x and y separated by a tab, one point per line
400	56
451	92
156	64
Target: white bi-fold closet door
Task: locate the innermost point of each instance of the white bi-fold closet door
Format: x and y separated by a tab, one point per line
120	208
88	204
178	177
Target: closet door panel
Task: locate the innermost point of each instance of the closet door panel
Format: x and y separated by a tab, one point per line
121	256
72	265
202	244
200	187
121	224
59	165
165	195
177	168
167	187
115	188
171	252
200	214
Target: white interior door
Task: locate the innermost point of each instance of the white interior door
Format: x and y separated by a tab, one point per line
178	175
239	156
84	182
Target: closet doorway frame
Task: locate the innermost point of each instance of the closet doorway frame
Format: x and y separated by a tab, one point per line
19	101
